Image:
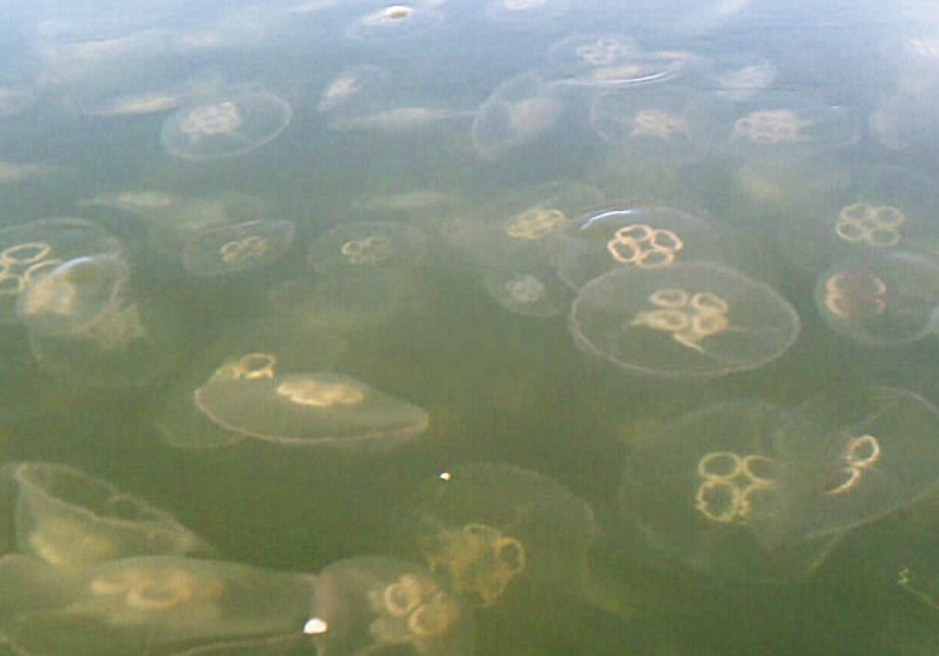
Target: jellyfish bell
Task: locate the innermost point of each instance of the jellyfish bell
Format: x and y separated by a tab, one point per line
228	126
375	604
710	492
882	299
250	397
70	519
235	248
532	291
156	604
644	238
520	111
610	61
527	14
395	22
352	88
31	250
689	320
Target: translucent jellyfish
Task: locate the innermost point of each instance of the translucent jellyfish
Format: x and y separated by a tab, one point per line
520	111
366	246
688	320
709	492
226	127
881	299
75	295
30	250
853	456
877	209
377	605
530	291
353	86
492	530
233	248
395	22
527	13
70	519
582	52
772	124
155	604
248	397
639	237
742	75
611	61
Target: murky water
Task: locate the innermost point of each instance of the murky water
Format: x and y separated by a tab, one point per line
469	327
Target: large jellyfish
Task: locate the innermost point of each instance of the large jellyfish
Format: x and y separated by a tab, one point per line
373	604
70	519
694	319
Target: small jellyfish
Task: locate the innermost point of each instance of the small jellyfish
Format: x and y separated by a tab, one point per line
352	87
149	604
530	291
881	299
226	127
638	237
365	246
248	397
687	320
70	519
519	112
379	605
31	250
607	61
710	492
527	14
576	54
490	530
395	22
75	295
233	248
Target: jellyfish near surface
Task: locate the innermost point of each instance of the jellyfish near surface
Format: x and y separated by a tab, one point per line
381	605
687	320
395	22
155	604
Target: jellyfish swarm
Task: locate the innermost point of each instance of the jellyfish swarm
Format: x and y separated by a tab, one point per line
70	519
248	397
380	605
226	127
494	531
153	605
881	299
687	320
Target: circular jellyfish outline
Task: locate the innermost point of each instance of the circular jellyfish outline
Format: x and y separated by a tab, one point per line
644	246
690	318
860	455
876	226
729	473
770	127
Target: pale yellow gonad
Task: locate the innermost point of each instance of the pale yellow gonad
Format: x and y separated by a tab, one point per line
772	127
525	289
389	14
253	366
603	51
659	124
210	120
644	246
729	482
247	249
320	392
370	250
478	559
860	455
876	226
689	317
144	591
20	263
413	607
855	295
535	223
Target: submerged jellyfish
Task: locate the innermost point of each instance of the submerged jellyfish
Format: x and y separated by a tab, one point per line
638	237
31	250
394	22
378	605
227	127
490	530
881	299
520	111
709	492
70	519
146	604
232	248
611	61
366	246
530	291
527	13
249	397
352	88
687	320
75	295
